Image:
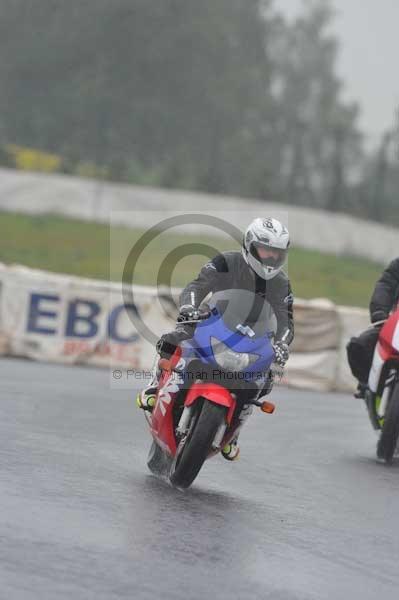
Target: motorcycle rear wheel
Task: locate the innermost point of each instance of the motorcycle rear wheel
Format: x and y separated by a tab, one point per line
390	431
190	458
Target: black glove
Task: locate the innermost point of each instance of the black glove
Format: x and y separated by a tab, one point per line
379	315
281	352
188	312
168	342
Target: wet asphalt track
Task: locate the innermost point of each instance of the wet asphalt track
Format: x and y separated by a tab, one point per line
305	514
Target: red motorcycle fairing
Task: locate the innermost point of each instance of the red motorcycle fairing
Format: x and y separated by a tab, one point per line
389	337
161	422
214	393
387	351
162	427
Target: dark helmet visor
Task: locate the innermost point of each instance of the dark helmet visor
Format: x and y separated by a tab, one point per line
267	255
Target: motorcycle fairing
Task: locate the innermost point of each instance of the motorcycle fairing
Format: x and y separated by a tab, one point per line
213	392
214	327
387	350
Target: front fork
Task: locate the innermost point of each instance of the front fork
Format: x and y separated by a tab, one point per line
372	405
184	426
185	420
377	404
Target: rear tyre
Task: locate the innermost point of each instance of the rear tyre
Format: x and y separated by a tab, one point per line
390	431
190	458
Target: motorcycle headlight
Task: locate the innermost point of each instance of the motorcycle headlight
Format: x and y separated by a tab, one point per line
229	360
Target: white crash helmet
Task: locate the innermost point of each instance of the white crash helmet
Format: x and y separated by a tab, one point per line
272	235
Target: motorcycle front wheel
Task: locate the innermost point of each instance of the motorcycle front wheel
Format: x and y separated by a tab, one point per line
195	449
390	430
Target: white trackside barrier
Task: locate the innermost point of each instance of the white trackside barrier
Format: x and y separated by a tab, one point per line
133	206
59	318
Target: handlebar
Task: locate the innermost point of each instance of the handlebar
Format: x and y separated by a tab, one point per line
201	317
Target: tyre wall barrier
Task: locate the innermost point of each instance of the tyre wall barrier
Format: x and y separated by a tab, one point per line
65	319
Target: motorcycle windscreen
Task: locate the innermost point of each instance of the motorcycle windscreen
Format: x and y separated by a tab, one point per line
245	312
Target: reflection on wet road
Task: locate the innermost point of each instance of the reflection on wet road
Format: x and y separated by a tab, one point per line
306	512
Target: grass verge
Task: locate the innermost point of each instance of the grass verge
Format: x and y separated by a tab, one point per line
92	250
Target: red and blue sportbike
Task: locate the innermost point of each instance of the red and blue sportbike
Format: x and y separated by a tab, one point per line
210	384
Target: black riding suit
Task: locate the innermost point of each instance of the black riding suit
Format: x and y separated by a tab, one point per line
230	271
384	299
386	293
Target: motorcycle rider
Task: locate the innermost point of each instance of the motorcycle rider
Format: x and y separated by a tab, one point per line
258	269
361	349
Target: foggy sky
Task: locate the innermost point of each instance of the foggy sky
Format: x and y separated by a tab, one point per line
368	61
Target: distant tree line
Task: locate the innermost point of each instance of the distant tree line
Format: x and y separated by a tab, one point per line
225	96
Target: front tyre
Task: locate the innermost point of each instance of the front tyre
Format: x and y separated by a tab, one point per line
190	458
390	431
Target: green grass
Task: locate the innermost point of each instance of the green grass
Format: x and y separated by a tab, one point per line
92	250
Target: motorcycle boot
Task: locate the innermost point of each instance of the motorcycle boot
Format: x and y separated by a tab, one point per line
147	398
231	451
